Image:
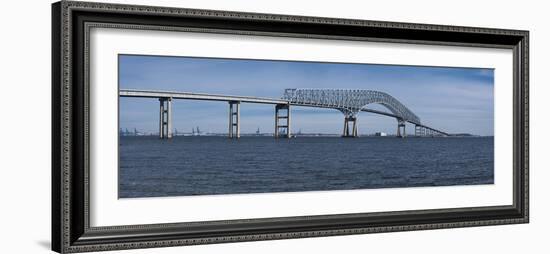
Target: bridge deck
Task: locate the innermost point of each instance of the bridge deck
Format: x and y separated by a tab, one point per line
197	96
245	99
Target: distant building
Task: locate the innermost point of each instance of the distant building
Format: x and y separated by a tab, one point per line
380	134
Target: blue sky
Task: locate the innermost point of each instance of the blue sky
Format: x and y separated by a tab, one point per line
456	100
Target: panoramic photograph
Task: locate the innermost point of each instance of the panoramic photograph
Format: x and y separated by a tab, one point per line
211	126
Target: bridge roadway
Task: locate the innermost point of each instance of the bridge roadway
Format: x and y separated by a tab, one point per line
233	99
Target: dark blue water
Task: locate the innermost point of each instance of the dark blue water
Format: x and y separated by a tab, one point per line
151	167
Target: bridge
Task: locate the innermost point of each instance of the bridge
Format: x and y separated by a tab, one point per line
348	101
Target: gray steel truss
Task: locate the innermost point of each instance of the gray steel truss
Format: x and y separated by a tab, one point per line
349	101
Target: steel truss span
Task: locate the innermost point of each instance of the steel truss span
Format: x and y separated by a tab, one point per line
349	101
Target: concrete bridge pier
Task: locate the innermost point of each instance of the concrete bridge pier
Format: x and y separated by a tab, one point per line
401	124
234	119
421	131
165	118
350	121
282	129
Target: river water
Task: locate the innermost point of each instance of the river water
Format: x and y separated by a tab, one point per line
151	167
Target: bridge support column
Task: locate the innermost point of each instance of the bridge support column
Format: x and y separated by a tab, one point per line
165	118
347	121
401	124
234	119
282	129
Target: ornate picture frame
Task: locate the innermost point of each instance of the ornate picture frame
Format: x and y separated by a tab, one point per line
71	229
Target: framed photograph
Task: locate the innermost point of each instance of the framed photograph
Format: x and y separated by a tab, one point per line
178	126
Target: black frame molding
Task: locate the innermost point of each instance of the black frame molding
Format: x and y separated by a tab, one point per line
71	22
